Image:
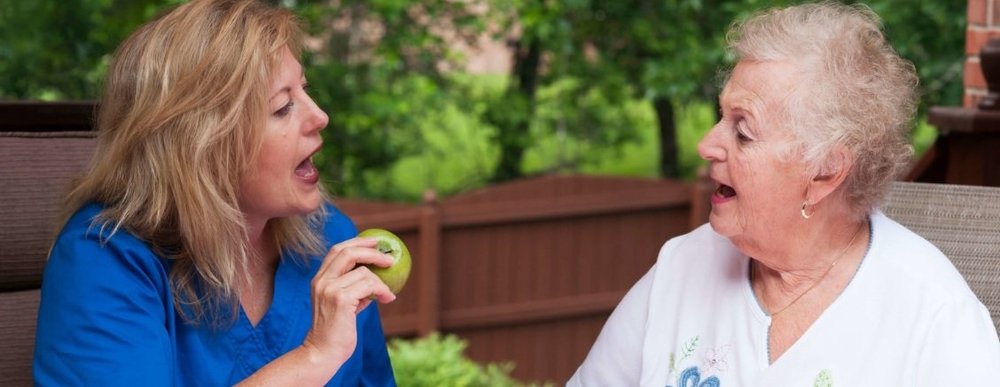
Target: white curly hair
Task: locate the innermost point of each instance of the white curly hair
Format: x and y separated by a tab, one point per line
856	91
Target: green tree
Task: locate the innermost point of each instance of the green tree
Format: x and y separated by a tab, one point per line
380	69
672	50
389	74
931	34
661	51
60	50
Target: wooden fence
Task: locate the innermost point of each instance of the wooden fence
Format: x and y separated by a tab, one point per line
528	271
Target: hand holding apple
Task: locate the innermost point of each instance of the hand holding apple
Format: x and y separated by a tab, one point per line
394	276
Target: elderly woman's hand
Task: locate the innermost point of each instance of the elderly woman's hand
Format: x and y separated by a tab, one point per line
340	290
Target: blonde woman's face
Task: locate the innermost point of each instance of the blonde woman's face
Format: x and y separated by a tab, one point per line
760	184
284	182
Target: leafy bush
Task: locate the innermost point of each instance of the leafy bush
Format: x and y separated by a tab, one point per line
439	360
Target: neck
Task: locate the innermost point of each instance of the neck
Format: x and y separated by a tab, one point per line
782	282
805	247
263	250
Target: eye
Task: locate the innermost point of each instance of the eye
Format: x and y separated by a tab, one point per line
741	132
284	110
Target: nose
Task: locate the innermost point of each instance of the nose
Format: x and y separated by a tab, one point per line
317	119
710	147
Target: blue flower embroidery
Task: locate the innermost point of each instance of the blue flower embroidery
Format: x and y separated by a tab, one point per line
691	377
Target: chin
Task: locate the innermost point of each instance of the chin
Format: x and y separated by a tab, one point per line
721	226
312	203
301	206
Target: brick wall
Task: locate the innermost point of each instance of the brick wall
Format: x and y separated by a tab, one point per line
983	24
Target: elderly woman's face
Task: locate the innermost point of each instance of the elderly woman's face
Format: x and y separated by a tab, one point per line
759	189
284	180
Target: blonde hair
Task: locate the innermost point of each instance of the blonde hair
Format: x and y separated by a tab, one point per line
179	126
855	91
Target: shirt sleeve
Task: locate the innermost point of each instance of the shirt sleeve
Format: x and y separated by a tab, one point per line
962	348
616	357
104	312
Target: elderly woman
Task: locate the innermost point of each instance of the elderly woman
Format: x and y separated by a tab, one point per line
197	249
800	281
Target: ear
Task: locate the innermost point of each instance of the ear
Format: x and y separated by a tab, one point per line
832	174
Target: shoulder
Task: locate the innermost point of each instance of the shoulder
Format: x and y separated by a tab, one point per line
336	225
105	307
700	248
907	279
696	265
914	262
88	244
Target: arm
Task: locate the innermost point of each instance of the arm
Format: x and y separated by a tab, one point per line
616	357
104	315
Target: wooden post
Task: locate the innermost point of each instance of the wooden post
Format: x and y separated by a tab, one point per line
989	62
428	263
966	149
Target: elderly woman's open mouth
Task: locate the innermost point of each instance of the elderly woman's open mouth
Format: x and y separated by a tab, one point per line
723	193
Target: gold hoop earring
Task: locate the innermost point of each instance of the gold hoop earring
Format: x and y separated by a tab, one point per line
803	211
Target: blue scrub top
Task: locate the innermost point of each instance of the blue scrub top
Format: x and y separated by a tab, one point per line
107	318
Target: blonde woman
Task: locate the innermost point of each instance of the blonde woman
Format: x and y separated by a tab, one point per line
200	249
799	279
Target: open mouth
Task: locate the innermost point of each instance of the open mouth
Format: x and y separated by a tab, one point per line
725	191
307	170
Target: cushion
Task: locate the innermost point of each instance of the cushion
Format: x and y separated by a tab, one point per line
35	170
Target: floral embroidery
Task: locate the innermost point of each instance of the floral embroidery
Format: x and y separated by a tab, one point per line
716	359
691	377
686	352
824	379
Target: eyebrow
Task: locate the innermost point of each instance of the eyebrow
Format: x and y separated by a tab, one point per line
288	89
284	90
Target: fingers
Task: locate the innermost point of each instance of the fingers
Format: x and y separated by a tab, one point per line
343	281
344	256
342	288
351	292
362	284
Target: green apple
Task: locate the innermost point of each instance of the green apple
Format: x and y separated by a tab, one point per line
394	276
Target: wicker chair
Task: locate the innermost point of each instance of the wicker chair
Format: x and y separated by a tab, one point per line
961	220
35	170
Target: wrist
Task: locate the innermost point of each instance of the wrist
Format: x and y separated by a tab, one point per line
315	356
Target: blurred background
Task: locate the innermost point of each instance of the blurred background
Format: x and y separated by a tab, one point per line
452	95
534	154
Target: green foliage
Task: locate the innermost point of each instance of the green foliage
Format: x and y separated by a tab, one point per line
457	153
587	130
439	361
60	50
931	34
376	69
405	117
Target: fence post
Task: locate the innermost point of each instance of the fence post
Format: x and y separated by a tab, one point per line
429	264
